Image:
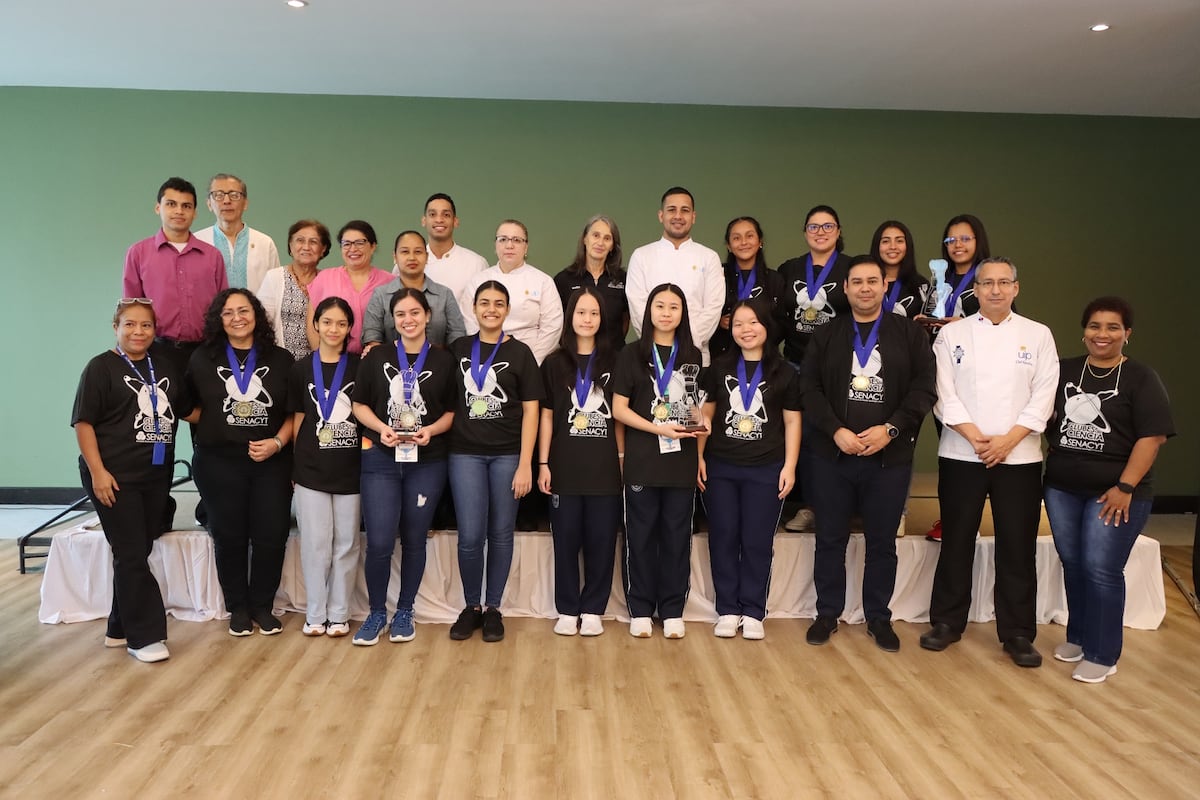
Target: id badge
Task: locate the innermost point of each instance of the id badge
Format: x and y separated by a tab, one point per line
668	445
406	453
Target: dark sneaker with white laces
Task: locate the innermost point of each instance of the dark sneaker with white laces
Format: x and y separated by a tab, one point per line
402	626
469	621
493	625
371	629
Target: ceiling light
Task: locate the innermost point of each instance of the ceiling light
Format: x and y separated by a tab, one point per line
297	3
1099	28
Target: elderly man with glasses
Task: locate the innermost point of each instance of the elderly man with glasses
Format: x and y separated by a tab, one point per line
248	254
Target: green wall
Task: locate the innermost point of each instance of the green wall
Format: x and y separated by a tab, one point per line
1084	205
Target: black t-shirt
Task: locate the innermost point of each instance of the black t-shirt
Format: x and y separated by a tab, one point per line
583	445
380	386
611	287
911	296
326	456
768	288
487	420
634	379
115	400
230	416
1097	421
751	435
802	315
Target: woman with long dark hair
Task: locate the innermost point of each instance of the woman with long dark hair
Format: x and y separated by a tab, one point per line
579	464
906	290
747	276
242	459
964	245
657	380
126	410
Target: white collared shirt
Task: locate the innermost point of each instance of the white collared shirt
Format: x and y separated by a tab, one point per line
535	315
692	267
995	376
261	254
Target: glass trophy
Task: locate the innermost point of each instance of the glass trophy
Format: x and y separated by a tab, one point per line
693	399
941	289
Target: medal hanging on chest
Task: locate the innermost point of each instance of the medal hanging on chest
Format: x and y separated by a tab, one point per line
862	353
242	374
746	390
479	371
410	373
813	284
662	382
583	387
158	455
327	398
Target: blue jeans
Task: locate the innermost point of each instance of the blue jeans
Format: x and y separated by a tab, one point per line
1093	557
397	496
486	511
743	508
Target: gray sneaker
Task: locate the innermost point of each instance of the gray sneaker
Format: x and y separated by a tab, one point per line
1068	652
804	522
1091	672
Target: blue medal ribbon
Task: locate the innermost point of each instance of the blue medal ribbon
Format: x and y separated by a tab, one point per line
241	373
892	295
747	388
583	382
159	454
479	371
662	375
862	351
745	286
812	286
967	280
409	373
326	398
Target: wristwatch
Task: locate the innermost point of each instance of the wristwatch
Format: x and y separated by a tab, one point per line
892	430
1124	487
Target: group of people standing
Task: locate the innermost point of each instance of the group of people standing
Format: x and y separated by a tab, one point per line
371	391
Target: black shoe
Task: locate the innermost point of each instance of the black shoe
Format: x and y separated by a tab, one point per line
268	623
493	625
240	624
939	637
821	629
881	631
470	620
1022	652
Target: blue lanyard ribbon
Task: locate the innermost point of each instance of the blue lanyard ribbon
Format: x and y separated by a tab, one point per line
662	375
583	382
893	294
967	280
862	351
745	285
479	371
747	388
241	373
326	398
814	285
159	454
410	372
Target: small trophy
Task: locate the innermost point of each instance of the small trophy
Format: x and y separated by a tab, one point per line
941	289
693	399
408	422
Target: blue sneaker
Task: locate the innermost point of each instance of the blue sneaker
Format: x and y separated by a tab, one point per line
372	627
402	626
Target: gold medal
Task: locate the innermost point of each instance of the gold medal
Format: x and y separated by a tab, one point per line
479	407
243	408
861	383
408	420
325	435
745	425
581	421
810	315
662	411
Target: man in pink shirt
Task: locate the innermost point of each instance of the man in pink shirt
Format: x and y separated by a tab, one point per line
180	273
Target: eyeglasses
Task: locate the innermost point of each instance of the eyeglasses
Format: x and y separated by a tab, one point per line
219	196
953	240
988	285
514	239
824	227
354	244
231	313
128	301
300	241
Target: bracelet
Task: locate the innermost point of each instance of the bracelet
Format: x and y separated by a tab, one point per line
620	455
543	463
278	443
1125	487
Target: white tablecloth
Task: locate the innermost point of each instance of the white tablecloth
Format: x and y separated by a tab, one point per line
77	584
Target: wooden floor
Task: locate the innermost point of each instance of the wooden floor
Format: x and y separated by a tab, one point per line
542	716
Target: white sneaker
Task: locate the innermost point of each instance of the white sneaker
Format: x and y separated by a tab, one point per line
313	629
673	628
726	627
752	628
641	627
566	625
591	625
805	521
109	641
156	651
337	629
